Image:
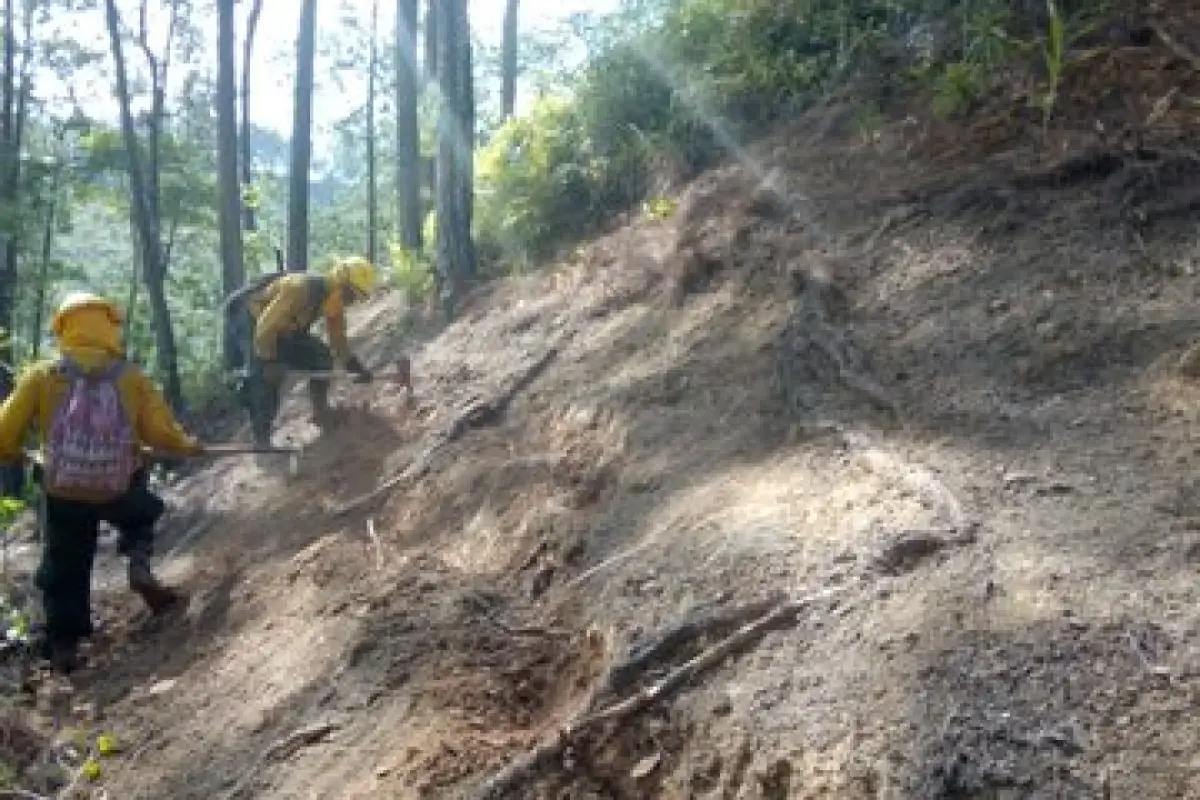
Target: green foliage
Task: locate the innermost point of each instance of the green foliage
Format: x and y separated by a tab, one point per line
10	507
538	177
957	87
660	208
1053	54
412	272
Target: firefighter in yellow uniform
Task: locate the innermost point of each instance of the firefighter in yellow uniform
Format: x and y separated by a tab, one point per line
269	323
92	410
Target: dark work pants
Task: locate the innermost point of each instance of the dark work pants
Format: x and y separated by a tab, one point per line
69	551
299	350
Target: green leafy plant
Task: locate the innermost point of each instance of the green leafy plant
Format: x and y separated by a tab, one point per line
1053	53
957	87
412	272
538	179
660	207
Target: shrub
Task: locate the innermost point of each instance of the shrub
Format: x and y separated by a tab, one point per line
538	179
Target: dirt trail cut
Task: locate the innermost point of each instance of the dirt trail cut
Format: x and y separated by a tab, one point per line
950	435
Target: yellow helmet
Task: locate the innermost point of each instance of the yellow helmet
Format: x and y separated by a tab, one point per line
357	273
77	301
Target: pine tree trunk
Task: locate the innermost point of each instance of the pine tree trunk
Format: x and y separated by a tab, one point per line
39	308
249	215
372	183
8	157
298	187
233	269
432	39
144	198
508	67
455	250
408	134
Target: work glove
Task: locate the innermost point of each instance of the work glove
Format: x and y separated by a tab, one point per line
362	374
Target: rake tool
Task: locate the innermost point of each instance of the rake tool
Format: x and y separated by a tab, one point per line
224	450
400	373
220	450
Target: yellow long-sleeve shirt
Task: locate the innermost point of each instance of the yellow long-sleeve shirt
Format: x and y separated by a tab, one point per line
287	305
41	389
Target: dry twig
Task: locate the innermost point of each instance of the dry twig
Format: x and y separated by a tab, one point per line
1175	46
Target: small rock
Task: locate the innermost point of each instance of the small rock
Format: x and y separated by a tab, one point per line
906	551
1011	479
305	737
643	768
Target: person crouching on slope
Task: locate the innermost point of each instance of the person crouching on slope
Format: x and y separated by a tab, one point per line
94	411
269	322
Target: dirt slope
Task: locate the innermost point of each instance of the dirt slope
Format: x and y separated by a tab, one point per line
952	420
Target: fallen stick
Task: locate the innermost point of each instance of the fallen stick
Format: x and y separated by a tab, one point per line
305	737
524	766
1176	48
664	645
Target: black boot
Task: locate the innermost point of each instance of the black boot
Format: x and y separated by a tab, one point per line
158	598
63	654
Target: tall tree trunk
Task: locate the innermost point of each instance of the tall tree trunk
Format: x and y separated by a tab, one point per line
432	38
466	113
408	133
455	252
372	182
298	188
508	59
233	269
8	156
144	200
135	280
39	306
12	180
249	218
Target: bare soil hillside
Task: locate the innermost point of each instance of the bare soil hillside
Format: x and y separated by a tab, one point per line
931	408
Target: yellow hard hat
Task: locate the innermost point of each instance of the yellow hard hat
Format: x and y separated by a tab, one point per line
357	273
77	301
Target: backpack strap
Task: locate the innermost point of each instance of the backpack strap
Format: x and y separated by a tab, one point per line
71	369
319	289
257	285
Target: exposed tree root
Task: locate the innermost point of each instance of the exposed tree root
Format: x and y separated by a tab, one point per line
545	755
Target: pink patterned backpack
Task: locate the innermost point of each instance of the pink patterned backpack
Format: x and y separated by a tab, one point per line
91	442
